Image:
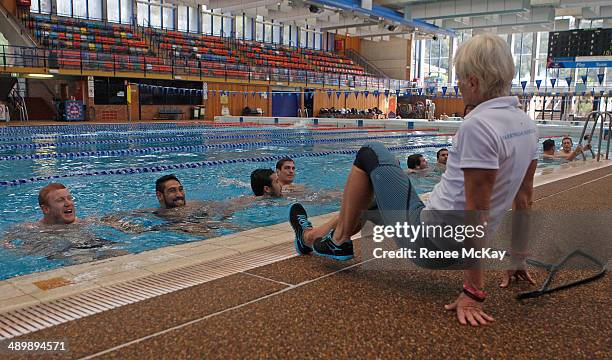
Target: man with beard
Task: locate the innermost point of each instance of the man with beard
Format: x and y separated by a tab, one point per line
195	217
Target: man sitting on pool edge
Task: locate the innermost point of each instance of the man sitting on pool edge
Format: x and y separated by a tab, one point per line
491	169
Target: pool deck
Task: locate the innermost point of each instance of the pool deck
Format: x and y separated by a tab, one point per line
256	299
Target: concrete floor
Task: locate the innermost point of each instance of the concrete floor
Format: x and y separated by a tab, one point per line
307	307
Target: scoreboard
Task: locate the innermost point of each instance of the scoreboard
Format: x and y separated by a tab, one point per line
579	43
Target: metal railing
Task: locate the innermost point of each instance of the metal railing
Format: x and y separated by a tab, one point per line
86	61
17	103
365	63
597	116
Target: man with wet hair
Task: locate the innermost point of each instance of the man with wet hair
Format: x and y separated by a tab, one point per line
57	205
548	149
566	150
170	192
264	182
285	169
441	158
416	163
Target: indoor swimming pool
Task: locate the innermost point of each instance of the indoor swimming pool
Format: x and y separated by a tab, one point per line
111	170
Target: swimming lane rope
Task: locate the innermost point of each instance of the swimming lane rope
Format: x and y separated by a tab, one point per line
193	165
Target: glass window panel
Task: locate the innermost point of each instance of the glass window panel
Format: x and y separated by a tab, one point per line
45	6
543	50
193	19
268	33
126	11
64	8
302	38
227	26
276	34
155	15
259	28
34	6
216	23
95	9
240	27
294	36
168	18
142	11
248	28
182	15
112	10
286	31
79	8
207	23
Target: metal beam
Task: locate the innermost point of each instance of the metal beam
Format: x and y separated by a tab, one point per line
383	13
467	8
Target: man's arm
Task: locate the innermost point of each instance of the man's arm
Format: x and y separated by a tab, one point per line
478	190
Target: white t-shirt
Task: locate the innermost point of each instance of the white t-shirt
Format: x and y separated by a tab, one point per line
497	134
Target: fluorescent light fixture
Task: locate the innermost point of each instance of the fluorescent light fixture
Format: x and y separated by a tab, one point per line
41	76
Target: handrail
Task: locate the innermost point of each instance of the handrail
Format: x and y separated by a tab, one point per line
21	56
596	116
361	60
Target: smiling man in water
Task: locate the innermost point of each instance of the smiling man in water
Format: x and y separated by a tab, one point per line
57	205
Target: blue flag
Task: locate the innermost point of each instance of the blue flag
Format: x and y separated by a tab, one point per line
600	78
366	93
568	80
584	78
456	88
523	85
444	88
553	82
538	83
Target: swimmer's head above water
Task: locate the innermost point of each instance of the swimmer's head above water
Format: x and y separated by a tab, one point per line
169	192
264	182
57	205
285	169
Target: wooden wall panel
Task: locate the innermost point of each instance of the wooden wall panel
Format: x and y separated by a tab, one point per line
237	102
352	43
359	102
449	106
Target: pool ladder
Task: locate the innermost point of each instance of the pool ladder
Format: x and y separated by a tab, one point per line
596	116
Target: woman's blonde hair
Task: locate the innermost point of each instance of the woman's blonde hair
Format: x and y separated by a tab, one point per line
489	59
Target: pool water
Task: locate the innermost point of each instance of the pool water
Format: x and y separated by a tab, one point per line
323	160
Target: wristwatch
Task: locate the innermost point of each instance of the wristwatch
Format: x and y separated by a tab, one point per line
474	293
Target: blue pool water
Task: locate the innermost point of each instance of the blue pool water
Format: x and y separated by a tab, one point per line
113	169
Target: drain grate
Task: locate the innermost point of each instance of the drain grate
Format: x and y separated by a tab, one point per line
40	316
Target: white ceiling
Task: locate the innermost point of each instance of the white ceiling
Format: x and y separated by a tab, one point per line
500	16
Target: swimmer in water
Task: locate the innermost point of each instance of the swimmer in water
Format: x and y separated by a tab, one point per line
417	164
199	218
441	158
285	170
59	234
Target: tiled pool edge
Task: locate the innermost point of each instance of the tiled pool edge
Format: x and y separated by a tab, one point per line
229	250
21	291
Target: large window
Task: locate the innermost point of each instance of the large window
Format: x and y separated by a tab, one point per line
240	27
207	21
183	16
286	34
227	26
541	55
193	19
522	52
168	17
155	14
143	14
436	61
276	33
112	10
259	28
64	7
